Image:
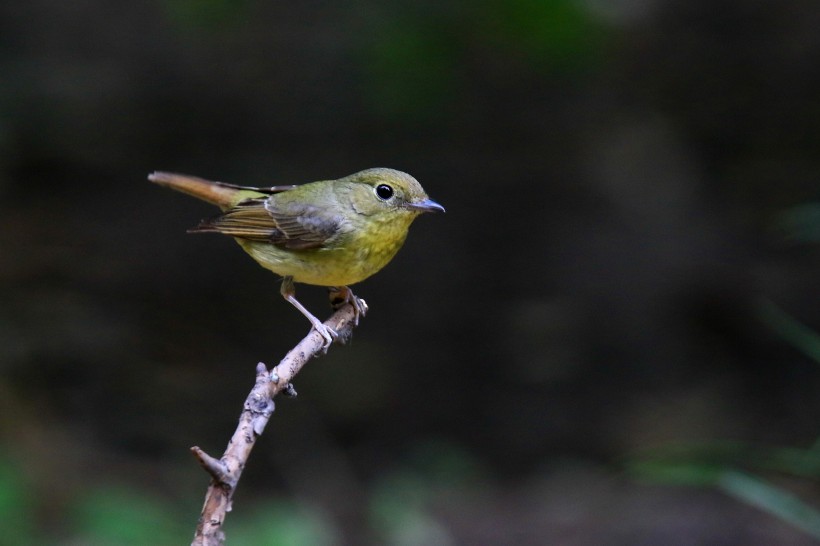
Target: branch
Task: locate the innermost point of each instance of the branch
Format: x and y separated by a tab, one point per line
226	471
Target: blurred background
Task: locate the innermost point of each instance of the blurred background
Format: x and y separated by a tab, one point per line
610	337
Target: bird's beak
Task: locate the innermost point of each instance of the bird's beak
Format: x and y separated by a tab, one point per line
427	205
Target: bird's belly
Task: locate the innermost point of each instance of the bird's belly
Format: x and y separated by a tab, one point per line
322	267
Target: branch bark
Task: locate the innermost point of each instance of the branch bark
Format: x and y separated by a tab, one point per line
226	471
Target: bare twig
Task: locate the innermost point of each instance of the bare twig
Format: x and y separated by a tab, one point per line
258	408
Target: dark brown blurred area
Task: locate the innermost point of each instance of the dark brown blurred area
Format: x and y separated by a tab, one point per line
615	175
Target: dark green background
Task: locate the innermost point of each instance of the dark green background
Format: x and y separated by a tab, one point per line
628	185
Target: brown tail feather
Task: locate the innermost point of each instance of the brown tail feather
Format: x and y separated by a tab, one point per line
212	192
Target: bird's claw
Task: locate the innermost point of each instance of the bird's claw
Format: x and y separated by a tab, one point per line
329	335
360	306
341	295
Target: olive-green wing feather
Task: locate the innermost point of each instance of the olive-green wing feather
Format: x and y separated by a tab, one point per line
296	226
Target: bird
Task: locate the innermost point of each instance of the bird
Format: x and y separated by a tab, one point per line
332	233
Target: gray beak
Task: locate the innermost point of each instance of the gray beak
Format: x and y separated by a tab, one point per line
428	205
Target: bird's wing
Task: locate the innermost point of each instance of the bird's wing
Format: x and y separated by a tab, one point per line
295	226
270	190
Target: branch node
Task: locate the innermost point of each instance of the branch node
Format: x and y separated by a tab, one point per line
214	467
290	390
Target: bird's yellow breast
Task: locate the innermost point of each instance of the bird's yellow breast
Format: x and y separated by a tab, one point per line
352	257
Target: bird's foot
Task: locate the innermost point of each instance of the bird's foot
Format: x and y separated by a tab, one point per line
328	333
340	295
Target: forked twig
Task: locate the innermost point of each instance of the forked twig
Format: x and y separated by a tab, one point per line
226	471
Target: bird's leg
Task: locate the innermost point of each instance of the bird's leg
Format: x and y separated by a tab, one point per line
289	293
340	295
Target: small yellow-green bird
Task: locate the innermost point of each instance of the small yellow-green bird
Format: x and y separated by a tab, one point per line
330	233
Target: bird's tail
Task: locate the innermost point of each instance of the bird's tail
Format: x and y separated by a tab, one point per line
217	193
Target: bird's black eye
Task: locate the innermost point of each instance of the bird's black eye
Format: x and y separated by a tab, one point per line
384	191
